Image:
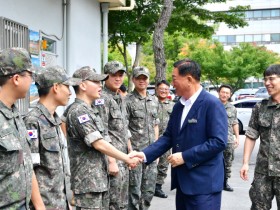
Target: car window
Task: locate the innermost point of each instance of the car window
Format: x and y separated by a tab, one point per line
250	104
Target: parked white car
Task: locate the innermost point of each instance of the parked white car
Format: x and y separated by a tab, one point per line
262	93
245	93
244	111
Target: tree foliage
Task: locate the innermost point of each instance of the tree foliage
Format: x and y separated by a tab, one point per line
232	67
188	16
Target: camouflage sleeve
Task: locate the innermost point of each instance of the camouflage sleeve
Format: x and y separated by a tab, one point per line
157	120
253	127
85	124
33	131
104	114
235	121
64	116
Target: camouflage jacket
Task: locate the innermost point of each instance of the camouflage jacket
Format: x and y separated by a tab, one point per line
15	160
47	155
114	117
265	123
142	117
232	120
164	111
88	166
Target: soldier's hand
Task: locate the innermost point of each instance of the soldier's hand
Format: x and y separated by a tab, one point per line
113	168
244	172
236	143
176	159
139	155
133	162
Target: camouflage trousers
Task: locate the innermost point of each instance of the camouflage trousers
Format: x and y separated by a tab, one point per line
228	157
142	183
162	168
119	188
93	200
263	190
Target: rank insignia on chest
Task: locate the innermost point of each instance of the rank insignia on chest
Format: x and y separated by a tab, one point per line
83	118
33	134
99	101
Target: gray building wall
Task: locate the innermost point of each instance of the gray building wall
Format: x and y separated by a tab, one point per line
83	27
256	26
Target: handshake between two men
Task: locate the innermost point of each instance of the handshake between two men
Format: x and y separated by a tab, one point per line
175	159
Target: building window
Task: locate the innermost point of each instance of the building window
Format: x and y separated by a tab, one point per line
262	14
239	38
248	38
275	37
266	13
223	39
14	34
275	13
266	37
249	14
257	14
231	39
257	38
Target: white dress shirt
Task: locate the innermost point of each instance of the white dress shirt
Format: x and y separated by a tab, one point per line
188	104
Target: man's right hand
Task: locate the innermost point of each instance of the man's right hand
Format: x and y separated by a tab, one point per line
139	155
244	172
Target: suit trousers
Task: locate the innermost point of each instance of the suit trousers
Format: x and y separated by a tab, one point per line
198	202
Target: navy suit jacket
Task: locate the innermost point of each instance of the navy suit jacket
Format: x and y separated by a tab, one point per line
202	139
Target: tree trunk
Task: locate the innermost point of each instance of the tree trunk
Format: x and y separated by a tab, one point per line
158	45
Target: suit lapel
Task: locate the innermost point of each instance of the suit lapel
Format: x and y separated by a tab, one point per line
192	113
179	116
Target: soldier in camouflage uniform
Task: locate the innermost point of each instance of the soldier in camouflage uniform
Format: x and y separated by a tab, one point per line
87	147
233	128
164	111
47	146
115	119
16	172
265	123
142	111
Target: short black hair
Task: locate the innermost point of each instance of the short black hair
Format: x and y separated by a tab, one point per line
225	86
43	91
271	70
188	66
163	82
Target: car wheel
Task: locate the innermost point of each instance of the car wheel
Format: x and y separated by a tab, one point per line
240	126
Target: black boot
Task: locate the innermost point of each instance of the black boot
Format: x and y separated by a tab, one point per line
159	193
227	187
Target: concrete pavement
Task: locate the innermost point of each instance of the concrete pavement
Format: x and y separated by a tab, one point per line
237	200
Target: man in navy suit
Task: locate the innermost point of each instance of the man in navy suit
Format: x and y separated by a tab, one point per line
197	133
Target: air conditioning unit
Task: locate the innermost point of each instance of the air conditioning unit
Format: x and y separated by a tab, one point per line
113	3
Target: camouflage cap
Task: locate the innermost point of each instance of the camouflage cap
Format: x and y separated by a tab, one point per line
140	70
52	75
113	67
87	73
15	60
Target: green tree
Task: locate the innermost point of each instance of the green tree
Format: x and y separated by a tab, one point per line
232	67
137	26
247	60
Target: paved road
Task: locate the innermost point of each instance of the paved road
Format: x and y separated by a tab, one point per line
237	200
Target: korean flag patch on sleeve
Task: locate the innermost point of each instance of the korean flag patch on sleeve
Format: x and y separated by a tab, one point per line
83	118
99	101
33	134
